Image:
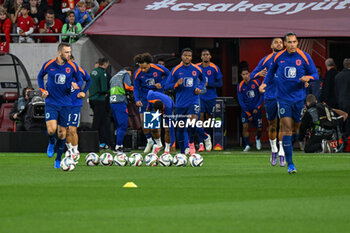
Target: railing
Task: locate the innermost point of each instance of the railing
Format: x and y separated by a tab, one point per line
59	35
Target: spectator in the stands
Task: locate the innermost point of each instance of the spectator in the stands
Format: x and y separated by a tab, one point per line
81	14
15	11
36	13
103	4
5	27
18	110
71	27
25	25
328	89
92	7
50	25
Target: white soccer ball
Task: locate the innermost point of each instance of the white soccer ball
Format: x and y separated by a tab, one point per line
67	164
92	159
165	160
120	159
180	160
151	160
106	159
196	160
135	160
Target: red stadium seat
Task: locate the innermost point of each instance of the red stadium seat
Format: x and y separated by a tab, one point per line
6	124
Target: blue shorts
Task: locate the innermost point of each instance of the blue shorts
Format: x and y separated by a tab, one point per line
144	106
255	118
291	109
271	109
193	109
208	106
58	113
74	116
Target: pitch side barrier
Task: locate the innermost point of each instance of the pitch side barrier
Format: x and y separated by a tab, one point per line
267	8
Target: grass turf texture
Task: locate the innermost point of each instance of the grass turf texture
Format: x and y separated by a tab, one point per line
232	192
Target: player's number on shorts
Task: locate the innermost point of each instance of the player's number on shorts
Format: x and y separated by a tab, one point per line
75	116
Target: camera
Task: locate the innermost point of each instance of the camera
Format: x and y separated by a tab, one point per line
37	103
47	22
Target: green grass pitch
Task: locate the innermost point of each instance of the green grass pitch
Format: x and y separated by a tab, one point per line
232	192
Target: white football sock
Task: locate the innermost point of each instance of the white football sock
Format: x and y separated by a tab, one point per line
281	150
273	145
158	142
69	146
75	148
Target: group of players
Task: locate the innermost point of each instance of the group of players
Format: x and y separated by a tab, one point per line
286	75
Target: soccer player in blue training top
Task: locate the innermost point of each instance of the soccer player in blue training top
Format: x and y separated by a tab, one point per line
184	80
270	101
74	115
62	75
165	105
119	84
251	101
208	97
147	77
294	68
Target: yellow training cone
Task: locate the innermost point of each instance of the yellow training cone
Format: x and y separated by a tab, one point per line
130	185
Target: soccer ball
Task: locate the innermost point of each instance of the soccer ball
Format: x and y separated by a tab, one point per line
67	164
151	160
121	159
196	160
92	159
106	159
180	160
165	160
135	160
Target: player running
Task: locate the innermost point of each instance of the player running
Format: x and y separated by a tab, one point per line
270	101
147	77
294	68
62	74
165	105
119	83
208	97
184	80
251	101
74	115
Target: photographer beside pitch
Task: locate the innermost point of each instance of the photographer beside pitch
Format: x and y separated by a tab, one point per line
61	75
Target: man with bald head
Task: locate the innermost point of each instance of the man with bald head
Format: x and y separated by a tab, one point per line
328	88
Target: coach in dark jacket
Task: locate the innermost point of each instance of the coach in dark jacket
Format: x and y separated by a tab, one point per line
328	88
342	87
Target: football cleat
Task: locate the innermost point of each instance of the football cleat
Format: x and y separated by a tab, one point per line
51	149
282	160
207	143
201	147
192	148
57	164
187	151
247	148
148	147
258	144
156	149
273	159
291	169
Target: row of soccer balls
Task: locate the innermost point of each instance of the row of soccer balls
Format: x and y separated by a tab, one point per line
135	160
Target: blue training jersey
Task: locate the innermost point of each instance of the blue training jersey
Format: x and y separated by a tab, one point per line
214	75
143	82
86	77
190	74
249	96
266	62
59	81
289	68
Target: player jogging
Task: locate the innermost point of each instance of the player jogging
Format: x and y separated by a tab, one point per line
119	83
165	105
61	75
184	80
294	68
147	77
270	101
250	100
74	116
208	97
